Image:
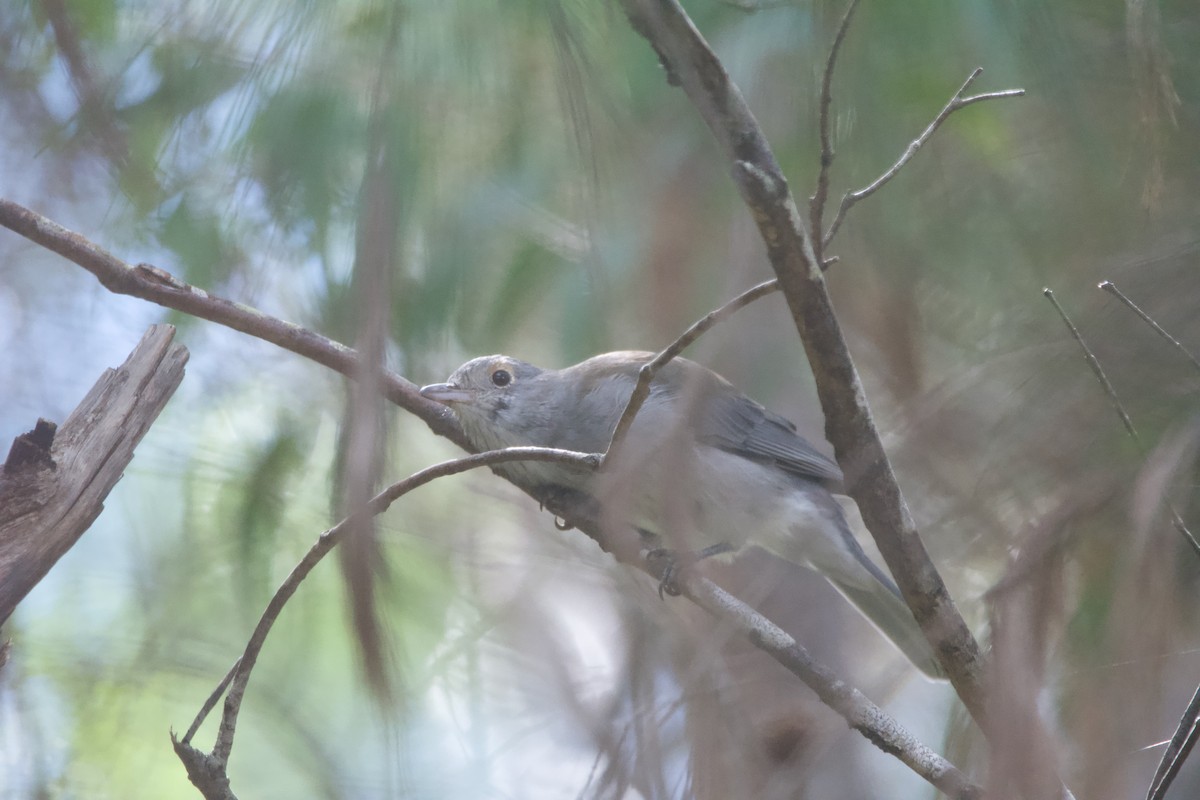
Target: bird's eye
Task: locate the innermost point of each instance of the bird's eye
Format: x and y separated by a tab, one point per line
501	377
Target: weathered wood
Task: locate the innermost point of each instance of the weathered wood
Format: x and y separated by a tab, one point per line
53	484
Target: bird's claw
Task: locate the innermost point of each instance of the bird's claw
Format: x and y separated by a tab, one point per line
679	560
672	569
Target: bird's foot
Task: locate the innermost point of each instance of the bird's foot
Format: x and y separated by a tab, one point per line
564	502
675	562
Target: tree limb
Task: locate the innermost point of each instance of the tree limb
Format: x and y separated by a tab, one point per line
848	422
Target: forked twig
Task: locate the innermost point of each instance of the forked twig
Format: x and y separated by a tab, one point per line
211	702
956	102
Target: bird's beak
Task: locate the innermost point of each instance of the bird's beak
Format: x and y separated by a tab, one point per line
447	393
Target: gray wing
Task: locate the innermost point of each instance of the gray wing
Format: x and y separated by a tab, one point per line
737	424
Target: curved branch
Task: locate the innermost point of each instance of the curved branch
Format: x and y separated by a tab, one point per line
330	538
641	389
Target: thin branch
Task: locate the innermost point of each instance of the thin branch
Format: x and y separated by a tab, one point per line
1094	364
211	702
1178	749
1098	371
650	369
859	712
162	288
816	204
1112	289
956	102
326	542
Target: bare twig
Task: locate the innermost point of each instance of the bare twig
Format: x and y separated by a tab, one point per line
1094	365
160	287
377	505
1098	371
816	204
1178	749
1112	289
648	370
956	102
211	702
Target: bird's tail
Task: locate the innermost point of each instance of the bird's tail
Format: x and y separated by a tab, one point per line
880	602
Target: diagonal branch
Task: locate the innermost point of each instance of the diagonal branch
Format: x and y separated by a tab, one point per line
1178	749
1097	370
859	712
848	421
160	287
1112	289
646	374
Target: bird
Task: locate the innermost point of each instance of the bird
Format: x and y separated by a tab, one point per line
703	467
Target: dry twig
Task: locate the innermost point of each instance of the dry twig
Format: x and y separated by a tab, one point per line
1112	289
648	370
955	103
239	675
1106	384
816	204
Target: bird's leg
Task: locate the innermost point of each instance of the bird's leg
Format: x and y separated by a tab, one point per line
679	560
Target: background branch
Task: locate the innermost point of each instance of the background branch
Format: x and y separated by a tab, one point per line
955	103
816	204
859	712
1112	289
1097	370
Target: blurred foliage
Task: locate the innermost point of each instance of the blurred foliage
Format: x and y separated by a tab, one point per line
555	199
